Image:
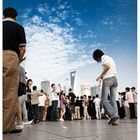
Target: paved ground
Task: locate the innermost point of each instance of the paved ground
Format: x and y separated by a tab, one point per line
78	130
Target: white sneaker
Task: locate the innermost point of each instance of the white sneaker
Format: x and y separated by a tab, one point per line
28	122
61	119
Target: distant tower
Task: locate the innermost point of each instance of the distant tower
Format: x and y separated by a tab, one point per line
66	86
45	86
72	79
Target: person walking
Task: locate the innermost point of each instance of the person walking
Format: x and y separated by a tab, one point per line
109	84
14	42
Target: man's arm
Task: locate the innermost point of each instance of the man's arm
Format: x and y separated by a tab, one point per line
106	68
22	50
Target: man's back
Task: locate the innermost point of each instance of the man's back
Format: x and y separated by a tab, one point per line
72	96
13	35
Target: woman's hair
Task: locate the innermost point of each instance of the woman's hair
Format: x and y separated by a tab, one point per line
29	80
10	12
97	54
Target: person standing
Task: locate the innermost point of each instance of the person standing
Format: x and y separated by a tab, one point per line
54	96
77	108
62	105
72	99
109	84
35	101
14	42
97	102
133	89
130	99
41	105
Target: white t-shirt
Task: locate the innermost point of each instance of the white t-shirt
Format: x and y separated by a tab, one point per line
42	100
53	96
97	102
129	97
112	71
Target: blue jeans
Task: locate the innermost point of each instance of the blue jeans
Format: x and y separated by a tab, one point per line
109	88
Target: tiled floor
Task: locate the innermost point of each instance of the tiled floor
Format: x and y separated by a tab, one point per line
78	130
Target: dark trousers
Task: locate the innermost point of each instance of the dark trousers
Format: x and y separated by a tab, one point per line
132	110
41	112
29	110
54	111
36	112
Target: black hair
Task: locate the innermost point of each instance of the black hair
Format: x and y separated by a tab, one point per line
127	89
41	91
97	95
81	97
34	87
133	88
89	97
29	80
52	85
97	54
10	12
70	90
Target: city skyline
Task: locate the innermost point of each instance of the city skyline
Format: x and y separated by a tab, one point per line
62	34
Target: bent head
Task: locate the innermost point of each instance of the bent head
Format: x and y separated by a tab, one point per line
97	54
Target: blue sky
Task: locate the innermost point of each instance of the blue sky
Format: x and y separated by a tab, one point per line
62	34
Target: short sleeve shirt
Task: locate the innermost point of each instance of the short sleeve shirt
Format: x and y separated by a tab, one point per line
13	35
112	71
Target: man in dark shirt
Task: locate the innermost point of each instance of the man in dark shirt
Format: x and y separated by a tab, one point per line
72	98
14	42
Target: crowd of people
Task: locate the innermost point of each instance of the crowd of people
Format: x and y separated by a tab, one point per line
40	106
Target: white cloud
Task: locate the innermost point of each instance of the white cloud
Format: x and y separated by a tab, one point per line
51	53
52	49
36	19
41	9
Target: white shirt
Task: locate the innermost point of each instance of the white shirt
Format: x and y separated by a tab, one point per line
112	71
129	97
135	96
53	96
97	102
42	100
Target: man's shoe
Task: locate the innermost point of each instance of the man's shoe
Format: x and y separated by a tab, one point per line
13	131
112	120
115	121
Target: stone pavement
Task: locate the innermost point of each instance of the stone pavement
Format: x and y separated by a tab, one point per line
78	130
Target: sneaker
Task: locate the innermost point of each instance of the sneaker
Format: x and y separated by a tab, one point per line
61	120
28	122
112	120
115	121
